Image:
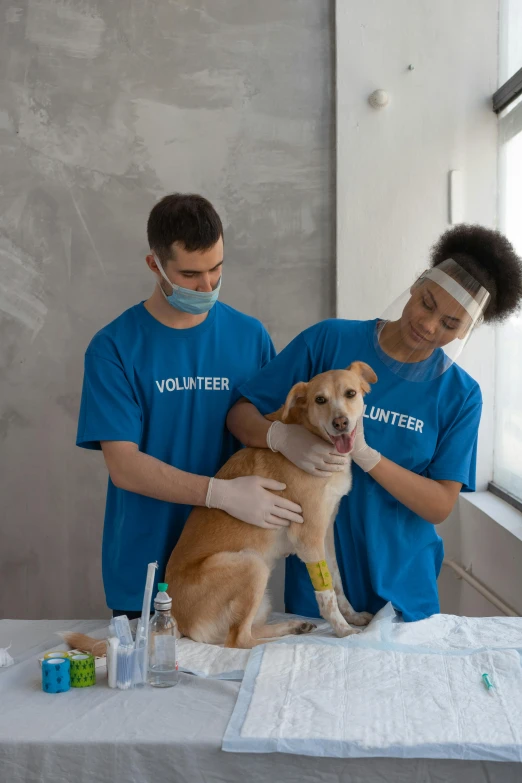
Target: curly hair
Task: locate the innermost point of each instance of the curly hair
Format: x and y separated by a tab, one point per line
488	257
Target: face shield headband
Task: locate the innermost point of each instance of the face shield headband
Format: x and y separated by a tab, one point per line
423	332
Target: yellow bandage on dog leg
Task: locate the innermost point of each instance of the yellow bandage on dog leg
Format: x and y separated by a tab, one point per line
320	575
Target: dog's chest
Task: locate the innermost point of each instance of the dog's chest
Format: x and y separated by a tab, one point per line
339	484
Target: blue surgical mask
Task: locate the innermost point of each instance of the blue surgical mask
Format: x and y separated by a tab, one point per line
186	300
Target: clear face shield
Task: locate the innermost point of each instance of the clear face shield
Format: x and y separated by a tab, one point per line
426	328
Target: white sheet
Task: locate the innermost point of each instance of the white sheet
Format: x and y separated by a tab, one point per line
329	699
213	660
163	736
449	632
440	632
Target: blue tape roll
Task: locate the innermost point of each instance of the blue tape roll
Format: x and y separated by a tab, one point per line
56	675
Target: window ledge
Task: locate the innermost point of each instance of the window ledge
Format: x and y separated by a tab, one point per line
497	510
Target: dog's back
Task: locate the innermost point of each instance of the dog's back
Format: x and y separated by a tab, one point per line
208	531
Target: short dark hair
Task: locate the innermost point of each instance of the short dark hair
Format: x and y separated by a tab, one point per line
188	219
490	258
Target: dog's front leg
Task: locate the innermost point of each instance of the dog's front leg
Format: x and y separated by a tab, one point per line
310	549
345	607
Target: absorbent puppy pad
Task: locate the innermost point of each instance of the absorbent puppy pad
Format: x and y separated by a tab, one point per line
329	699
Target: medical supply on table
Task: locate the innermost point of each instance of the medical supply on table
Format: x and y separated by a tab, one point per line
141	660
120	627
57	654
124	652
56	675
127	659
112	661
163	665
83	671
125	665
5	658
99	660
487	682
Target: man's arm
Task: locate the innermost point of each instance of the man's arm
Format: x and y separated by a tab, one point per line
131	469
251	499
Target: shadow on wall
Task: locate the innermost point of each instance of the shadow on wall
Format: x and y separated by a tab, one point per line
105	108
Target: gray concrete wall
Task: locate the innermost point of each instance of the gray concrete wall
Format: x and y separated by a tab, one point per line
104	108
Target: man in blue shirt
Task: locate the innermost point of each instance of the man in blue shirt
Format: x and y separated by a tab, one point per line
159	381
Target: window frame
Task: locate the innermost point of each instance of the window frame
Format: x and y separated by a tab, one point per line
507	94
503	495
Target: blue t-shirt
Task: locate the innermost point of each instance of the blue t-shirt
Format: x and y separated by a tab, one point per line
385	551
169	391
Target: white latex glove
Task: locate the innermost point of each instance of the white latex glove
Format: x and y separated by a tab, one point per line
304	449
364	456
247	498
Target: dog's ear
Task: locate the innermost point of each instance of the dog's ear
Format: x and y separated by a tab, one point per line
366	374
294	402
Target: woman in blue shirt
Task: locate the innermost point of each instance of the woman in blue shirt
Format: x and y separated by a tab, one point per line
423	417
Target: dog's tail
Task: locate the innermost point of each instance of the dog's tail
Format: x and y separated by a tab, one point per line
79	641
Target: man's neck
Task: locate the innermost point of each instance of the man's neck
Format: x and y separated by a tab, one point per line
167	315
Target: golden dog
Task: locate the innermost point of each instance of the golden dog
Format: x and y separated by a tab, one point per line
219	569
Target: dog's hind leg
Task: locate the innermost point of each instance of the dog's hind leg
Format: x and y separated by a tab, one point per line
226	600
250	580
277	630
249	604
262	630
221	603
228	604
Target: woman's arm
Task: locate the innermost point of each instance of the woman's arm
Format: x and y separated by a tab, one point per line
432	500
248	425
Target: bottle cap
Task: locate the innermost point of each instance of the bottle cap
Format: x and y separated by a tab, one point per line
162	600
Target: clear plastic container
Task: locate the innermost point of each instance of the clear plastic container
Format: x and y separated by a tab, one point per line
163	631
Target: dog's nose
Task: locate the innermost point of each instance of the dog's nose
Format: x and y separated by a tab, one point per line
340	423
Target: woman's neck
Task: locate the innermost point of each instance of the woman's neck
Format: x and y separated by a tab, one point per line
393	344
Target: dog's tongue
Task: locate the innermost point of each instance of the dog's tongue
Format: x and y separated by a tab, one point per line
344	443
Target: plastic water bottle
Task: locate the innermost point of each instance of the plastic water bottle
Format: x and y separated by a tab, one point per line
163	665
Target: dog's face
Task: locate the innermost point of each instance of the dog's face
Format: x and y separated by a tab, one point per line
331	404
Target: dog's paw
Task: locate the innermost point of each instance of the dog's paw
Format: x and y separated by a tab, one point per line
301	628
344	630
359	618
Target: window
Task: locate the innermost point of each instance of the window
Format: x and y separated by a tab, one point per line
510	39
507	473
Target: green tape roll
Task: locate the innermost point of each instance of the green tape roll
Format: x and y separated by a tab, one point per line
83	671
